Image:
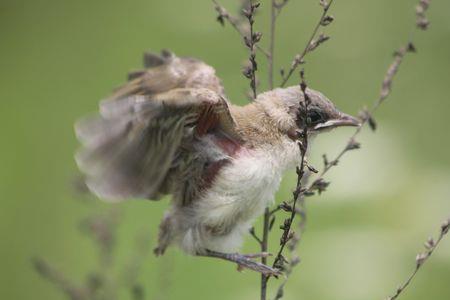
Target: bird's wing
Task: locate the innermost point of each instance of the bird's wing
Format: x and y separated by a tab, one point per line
131	146
166	72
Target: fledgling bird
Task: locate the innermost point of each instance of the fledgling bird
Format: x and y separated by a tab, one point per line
171	130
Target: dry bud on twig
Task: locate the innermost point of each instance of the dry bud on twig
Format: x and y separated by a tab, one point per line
236	23
393	68
352	145
317	42
100	284
366	117
421	19
422	258
250	42
287	234
327	20
445	226
312	43
324	4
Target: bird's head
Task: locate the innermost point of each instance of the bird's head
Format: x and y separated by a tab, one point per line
283	105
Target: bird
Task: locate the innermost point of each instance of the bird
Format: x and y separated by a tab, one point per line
171	130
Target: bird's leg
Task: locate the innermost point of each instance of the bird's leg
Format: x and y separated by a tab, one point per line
244	261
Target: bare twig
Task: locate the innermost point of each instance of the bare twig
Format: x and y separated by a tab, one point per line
366	118
165	281
275	10
299	193
132	269
288	234
101	284
130	273
319	184
250	42
293	245
312	43
386	87
103	229
273	19
255	236
421	258
48	272
264	248
421	19
303	145
234	22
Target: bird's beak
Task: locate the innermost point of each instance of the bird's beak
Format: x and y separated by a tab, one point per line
342	120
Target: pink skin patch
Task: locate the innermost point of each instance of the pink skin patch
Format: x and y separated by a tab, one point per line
211	172
229	146
206	123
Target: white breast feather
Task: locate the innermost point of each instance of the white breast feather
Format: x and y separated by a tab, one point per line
241	192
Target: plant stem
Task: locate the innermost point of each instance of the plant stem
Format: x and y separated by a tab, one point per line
273	20
299	58
264	248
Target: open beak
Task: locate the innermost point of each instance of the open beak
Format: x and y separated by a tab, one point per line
343	120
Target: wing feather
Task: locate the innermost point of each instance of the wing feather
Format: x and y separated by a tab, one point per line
133	145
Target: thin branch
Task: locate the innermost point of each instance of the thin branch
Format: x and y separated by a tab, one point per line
275	10
234	22
311	44
303	146
131	271
319	184
48	272
421	19
264	248
103	283
103	230
250	41
293	246
273	20
422	258
386	87
267	214
288	235
255	236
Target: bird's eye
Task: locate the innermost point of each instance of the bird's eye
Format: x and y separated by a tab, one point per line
314	117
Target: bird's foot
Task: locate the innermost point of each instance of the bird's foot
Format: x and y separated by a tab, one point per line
245	261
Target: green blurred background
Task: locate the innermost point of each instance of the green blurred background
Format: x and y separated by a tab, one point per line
58	58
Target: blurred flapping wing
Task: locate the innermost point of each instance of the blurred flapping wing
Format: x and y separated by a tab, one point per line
130	148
